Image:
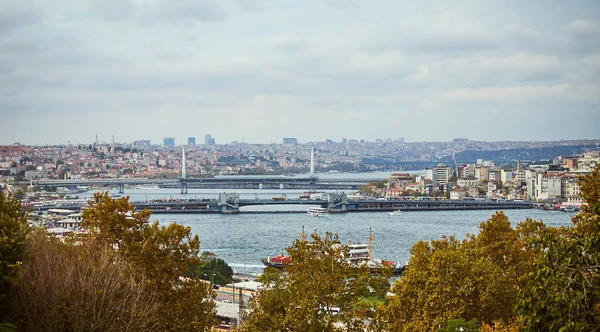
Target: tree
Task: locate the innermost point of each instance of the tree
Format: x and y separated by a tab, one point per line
83	286
319	290
13	234
164	255
563	292
475	278
19	194
459	324
223	273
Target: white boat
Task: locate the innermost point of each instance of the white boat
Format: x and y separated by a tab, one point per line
317	211
395	213
147	187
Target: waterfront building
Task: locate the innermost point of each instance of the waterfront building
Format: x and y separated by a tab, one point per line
465	182
458	194
399	179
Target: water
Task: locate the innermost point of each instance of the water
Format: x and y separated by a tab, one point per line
242	239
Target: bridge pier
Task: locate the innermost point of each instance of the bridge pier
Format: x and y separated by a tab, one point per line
184	188
229	203
121	188
337	202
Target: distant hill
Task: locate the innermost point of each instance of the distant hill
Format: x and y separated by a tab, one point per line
523	154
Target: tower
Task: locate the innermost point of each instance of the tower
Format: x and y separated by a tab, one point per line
183	163
312	163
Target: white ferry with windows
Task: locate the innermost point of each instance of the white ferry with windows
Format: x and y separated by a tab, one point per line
317	211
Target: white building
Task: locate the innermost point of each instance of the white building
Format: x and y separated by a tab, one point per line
443	173
457	194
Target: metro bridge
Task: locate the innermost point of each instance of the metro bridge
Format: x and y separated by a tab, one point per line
230	182
310	181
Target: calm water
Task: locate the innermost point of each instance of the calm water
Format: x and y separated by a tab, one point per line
244	238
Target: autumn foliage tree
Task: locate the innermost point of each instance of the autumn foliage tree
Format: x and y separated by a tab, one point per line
475	278
81	286
164	255
318	290
562	291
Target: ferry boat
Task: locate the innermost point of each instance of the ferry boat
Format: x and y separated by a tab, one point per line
317	211
395	213
358	253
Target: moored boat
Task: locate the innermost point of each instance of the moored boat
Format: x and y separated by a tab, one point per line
276	262
358	253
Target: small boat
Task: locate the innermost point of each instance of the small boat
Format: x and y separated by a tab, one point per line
317	211
147	187
395	213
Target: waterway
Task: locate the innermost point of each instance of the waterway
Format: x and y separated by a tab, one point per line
242	239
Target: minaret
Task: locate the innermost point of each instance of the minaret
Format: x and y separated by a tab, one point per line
312	163
183	163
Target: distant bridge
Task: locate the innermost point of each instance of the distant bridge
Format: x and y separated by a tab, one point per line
336	203
221	182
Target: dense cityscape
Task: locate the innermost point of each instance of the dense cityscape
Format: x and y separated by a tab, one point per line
299	166
536	180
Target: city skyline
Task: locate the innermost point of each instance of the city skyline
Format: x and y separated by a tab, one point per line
258	71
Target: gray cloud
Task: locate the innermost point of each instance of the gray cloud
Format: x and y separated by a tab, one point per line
406	63
292	45
438	42
344	4
112	10
174	11
583	29
250	5
18	13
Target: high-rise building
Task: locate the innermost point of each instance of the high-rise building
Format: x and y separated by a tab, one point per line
145	143
209	140
443	174
191	141
290	141
169	141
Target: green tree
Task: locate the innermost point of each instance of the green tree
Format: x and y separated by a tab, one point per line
459	324
164	255
223	273
319	290
13	234
563	291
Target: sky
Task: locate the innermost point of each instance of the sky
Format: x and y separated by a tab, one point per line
259	70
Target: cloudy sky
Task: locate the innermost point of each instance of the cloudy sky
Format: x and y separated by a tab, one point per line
260	70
